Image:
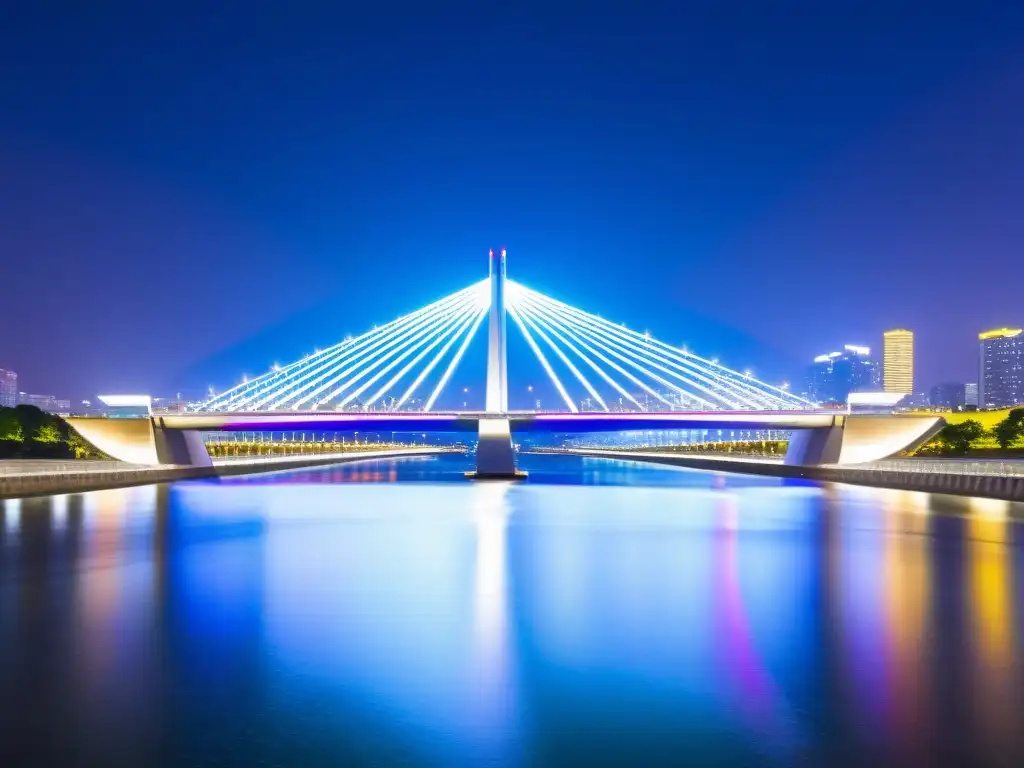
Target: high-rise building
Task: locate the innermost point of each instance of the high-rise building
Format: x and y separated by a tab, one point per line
47	403
898	361
1001	368
949	395
832	377
971	394
8	388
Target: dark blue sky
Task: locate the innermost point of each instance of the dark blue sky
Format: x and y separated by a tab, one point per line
189	194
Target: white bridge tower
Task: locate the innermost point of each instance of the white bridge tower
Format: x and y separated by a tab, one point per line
495	456
497	357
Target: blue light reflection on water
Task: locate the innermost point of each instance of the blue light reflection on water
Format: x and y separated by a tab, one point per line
392	612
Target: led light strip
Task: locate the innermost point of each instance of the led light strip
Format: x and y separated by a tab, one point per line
511	308
260	392
435	333
630	357
384	351
689	358
450	333
615	366
561	355
539	318
637	353
352	367
455	360
368	346
740	389
472	319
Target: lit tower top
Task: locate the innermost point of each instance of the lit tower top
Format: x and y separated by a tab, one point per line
898	361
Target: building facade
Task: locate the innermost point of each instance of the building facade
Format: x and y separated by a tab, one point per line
1001	368
971	394
832	377
47	403
8	388
898	360
949	395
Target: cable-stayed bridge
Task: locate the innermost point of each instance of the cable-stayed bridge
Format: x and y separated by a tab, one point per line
607	378
592	364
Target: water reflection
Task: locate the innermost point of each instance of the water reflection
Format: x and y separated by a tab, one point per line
391	614
994	673
749	682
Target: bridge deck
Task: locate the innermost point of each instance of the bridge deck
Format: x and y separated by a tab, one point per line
519	421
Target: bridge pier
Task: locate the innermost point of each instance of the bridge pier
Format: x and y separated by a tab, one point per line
495	455
144	441
180	446
814	447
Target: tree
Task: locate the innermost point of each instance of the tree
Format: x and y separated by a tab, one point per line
31	419
80	448
957	438
47	433
1010	429
10	425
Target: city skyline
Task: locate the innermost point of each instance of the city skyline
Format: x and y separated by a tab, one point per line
291	180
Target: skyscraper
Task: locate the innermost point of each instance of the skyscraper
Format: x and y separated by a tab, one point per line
898	361
47	403
971	394
949	395
1001	368
8	388
832	377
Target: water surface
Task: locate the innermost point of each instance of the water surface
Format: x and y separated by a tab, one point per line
601	613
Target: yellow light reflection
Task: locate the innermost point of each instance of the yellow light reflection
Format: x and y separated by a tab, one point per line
989	509
907	607
990	593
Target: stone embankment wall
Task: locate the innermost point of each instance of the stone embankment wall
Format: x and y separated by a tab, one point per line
67	480
962	484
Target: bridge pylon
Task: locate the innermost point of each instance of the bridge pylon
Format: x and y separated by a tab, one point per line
497	357
495	456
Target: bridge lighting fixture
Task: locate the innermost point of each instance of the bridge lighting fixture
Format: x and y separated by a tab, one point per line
603	359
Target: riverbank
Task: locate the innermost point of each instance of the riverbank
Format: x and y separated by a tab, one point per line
995	480
21	478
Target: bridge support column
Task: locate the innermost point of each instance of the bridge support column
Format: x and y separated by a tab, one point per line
813	447
144	441
495	456
497	375
180	446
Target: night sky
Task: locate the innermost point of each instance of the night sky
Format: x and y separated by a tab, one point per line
192	193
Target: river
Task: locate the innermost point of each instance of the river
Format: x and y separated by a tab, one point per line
599	613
